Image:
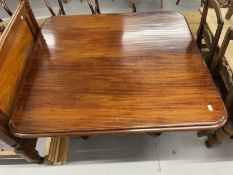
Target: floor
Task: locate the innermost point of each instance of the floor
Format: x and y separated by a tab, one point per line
171	153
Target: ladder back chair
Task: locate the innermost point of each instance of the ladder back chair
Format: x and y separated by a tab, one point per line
96	9
223	66
211	42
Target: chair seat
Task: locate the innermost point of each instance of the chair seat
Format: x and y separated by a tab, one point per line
116	73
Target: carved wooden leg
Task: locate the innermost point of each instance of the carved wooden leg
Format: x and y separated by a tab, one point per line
26	149
230	12
23	147
219	135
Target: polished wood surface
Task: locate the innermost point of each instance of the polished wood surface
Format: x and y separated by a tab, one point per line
128	73
16	44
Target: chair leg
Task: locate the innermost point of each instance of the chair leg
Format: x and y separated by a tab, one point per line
91	7
61	7
161	3
133	5
26	149
47	3
97	7
177	2
220	134
4	5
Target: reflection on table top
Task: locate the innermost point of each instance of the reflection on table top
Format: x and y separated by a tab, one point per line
116	73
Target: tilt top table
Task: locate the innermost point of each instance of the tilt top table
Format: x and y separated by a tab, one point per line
115	74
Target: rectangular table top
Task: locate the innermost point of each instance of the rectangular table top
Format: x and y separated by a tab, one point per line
116	73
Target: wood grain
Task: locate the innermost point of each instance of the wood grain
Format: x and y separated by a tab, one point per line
16	44
128	73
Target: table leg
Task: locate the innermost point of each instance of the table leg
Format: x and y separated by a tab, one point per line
220	134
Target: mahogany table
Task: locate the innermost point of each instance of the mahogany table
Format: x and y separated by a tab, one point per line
116	74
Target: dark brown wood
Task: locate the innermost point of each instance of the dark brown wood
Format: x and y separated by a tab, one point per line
216	61
97	7
4	5
220	134
229	12
133	5
177	2
91	6
220	69
47	3
128	73
61	8
16	44
204	32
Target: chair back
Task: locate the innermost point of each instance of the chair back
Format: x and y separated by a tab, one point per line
16	44
220	65
204	33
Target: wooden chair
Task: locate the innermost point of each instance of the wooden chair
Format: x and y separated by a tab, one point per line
96	9
223	67
210	47
23	39
22	31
